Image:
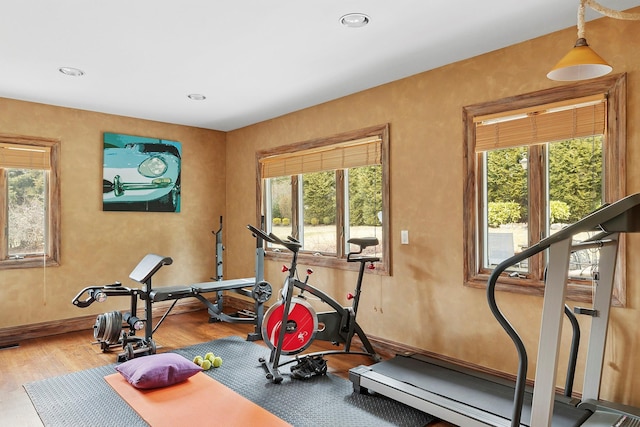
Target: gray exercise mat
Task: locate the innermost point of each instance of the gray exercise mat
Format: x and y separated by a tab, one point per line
85	399
82	398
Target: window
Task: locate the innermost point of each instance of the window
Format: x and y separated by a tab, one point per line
535	163
30	206
326	191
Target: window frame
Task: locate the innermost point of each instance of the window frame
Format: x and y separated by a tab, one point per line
53	206
614	165
337	261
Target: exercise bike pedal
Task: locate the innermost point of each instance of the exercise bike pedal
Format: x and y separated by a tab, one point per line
309	367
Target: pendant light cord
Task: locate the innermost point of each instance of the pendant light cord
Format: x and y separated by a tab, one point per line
610	12
593	4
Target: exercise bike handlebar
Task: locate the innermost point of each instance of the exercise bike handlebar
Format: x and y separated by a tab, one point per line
293	246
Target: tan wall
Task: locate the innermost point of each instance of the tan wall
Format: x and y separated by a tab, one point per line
102	247
424	304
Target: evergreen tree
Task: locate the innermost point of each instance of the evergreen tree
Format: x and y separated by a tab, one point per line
576	175
507	179
365	195
319	197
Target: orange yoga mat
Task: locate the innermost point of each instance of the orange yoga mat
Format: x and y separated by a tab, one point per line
198	401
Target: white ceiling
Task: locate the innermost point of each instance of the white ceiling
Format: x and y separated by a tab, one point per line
252	59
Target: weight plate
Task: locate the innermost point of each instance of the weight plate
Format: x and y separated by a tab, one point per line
107	328
117	326
128	352
114	326
261	292
300	329
152	347
99	328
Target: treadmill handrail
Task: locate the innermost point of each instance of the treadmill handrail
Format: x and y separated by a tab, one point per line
521	378
603	220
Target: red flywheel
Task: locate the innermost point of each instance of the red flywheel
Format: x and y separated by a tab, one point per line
301	326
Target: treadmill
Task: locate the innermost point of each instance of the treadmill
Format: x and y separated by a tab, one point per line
468	398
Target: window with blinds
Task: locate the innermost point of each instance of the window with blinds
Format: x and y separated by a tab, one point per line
345	155
20	156
535	163
324	191
547	123
30	212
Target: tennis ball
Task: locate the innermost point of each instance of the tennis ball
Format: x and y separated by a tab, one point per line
217	362
209	356
206	364
198	360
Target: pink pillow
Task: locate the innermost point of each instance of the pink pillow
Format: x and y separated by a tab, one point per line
157	370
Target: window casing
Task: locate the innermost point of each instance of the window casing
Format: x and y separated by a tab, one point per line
30	206
325	191
536	164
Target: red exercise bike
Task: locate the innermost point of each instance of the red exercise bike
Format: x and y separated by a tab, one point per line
291	324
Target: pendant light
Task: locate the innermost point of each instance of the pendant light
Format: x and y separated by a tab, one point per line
582	63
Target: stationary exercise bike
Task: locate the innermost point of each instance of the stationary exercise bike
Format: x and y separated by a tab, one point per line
302	325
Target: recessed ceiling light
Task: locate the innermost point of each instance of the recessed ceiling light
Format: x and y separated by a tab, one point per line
197	97
355	20
70	71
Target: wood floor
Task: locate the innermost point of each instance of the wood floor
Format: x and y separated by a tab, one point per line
41	358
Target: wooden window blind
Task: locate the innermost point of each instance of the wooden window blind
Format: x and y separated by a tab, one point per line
351	154
553	122
19	156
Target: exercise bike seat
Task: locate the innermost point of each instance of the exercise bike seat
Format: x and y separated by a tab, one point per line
363	242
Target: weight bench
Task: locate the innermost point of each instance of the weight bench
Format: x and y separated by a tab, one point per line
177	292
108	329
259	291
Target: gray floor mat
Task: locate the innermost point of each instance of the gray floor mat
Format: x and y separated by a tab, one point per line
85	399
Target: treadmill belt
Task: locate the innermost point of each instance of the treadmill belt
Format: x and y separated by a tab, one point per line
489	396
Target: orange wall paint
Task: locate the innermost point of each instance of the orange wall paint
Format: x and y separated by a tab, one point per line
102	247
424	304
